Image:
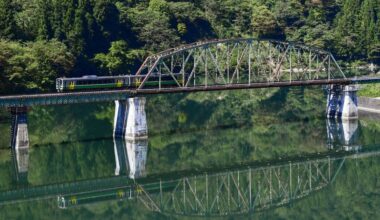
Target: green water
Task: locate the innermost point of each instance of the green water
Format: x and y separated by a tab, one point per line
259	154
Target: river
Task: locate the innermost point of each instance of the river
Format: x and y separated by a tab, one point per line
267	154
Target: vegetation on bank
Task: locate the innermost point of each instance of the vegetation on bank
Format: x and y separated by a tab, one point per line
42	40
370	90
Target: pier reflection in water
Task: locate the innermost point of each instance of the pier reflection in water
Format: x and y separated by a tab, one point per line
343	134
130	157
251	187
245	189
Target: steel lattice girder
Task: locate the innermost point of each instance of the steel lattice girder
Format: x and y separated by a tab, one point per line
243	61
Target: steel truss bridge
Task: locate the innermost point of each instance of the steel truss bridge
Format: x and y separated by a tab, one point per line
225	192
215	65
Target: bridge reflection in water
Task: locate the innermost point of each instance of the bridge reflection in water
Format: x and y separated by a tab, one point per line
249	188
240	191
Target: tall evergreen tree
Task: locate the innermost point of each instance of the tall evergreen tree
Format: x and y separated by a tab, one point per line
57	21
369	34
44	12
8	27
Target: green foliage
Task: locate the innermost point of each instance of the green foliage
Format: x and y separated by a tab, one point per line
358	28
118	60
33	65
263	21
181	28
160	6
8	27
157	34
370	90
350	29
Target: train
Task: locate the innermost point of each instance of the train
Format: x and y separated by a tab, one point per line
94	82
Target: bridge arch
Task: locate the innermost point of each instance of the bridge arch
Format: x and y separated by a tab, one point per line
238	61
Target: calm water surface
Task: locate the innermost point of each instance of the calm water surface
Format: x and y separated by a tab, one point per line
260	154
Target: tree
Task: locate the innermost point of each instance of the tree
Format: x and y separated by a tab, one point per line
347	30
368	21
289	13
8	27
57	21
158	35
44	11
107	17
160	6
119	59
34	65
263	21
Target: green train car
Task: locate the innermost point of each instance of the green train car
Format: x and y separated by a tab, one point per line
93	82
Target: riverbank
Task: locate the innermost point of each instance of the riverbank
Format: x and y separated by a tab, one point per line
369	90
369	106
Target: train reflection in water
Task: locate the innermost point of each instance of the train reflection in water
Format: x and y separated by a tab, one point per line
242	190
252	187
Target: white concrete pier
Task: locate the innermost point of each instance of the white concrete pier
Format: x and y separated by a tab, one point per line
342	102
130	119
350	102
137	127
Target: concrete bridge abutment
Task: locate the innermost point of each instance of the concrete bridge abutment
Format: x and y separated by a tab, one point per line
131	136
342	102
130	119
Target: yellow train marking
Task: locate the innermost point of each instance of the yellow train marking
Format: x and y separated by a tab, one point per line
120	194
119	83
71	85
73	200
138	82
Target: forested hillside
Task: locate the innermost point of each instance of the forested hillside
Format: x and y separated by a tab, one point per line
45	39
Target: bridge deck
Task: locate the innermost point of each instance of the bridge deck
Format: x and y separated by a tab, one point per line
111	95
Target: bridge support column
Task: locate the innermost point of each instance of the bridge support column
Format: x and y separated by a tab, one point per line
350	102
131	136
334	94
130	119
20	141
342	102
120	119
137	127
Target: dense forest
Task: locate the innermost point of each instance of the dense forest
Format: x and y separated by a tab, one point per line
44	39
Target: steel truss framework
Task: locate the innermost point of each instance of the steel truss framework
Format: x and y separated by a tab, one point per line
239	61
243	191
